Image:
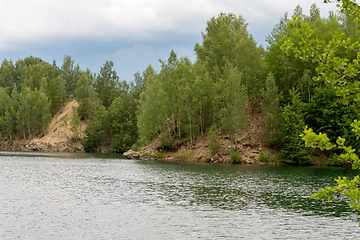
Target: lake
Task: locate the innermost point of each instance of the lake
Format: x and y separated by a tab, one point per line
104	196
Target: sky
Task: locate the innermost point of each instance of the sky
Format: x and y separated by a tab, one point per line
131	33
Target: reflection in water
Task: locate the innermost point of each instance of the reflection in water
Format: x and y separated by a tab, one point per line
92	196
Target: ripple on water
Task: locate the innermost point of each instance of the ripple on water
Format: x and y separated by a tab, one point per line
88	197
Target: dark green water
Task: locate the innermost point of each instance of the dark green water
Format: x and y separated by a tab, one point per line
94	196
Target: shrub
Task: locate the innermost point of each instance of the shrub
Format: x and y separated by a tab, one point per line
184	156
264	157
159	155
166	142
235	157
140	143
333	160
213	141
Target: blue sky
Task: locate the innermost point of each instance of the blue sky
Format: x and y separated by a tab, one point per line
131	33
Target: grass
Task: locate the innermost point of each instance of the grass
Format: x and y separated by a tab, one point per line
184	156
159	155
267	157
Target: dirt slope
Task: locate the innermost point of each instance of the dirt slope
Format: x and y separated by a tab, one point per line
58	130
57	138
249	145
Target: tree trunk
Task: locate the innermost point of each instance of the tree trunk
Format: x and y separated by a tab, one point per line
191	140
253	109
236	140
246	84
167	122
173	123
201	123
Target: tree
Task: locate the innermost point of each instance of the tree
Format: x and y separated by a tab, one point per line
227	40
107	84
57	93
271	110
121	123
235	98
75	123
341	74
85	95
11	112
70	75
293	150
4	101
7	74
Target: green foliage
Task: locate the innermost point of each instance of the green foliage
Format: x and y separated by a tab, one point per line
121	143
267	157
234	117
85	95
107	84
75	123
213	141
70	74
264	157
339	72
184	156
326	115
159	155
116	125
235	156
140	143
90	142
184	99
333	160
271	110
166	142
293	150
57	94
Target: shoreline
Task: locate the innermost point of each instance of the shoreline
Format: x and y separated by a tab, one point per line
42	146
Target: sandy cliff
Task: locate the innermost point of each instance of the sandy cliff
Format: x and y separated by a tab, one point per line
57	138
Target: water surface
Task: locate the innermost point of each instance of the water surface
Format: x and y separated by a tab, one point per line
102	196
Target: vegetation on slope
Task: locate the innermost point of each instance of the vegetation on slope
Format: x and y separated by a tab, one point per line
184	100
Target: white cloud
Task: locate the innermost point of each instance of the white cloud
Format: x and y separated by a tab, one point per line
24	21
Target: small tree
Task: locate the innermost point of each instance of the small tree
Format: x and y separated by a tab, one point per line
293	150
75	123
213	141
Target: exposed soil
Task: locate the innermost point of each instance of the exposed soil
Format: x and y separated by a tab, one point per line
57	138
249	146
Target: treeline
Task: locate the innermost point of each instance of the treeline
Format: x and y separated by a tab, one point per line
32	91
184	99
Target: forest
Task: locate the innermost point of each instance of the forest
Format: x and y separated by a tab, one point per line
184	99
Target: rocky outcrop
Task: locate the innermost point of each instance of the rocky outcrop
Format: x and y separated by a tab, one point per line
249	145
132	155
64	146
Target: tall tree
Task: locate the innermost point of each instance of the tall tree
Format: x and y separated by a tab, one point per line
75	123
70	74
57	93
4	103
270	106
227	40
235	117
107	84
86	95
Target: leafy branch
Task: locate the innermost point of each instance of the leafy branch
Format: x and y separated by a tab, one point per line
342	74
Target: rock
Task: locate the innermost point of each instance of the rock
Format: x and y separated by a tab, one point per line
131	154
